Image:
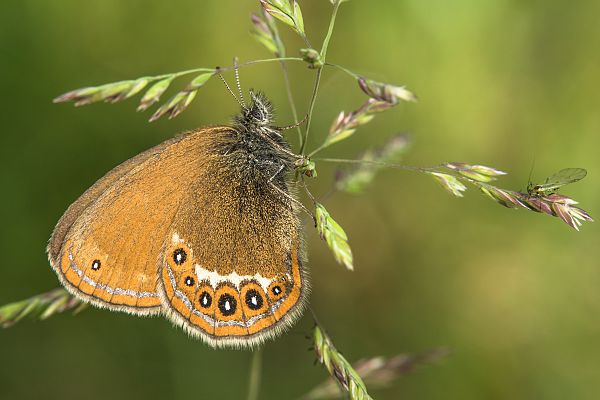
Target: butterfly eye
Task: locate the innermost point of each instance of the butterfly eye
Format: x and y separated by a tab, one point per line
256	114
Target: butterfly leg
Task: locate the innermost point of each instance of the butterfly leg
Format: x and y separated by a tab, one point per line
281	167
290	198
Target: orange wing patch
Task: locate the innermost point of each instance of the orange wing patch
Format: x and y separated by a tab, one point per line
203	314
84	278
229	318
230	309
256	307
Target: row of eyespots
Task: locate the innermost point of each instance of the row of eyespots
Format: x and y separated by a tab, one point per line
227	303
180	256
226	297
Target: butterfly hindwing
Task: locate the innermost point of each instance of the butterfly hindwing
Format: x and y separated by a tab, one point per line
231	309
232	268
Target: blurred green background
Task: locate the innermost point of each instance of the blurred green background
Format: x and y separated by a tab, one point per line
513	294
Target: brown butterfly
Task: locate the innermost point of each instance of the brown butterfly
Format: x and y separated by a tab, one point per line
202	228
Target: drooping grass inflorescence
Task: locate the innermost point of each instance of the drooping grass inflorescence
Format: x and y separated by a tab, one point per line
41	306
480	176
338	367
378	372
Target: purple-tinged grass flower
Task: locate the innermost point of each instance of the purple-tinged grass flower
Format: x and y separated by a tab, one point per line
111	92
153	94
385	92
178	103
346	123
265	32
378	372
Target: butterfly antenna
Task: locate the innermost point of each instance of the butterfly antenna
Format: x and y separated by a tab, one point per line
229	89
237	81
529	183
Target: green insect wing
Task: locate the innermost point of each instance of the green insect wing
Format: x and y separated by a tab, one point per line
561	178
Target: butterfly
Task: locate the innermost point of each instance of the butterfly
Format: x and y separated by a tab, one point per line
202	229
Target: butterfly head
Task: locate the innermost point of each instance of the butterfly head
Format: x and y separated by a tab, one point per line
259	113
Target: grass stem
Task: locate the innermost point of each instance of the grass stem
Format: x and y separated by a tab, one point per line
255	375
313	98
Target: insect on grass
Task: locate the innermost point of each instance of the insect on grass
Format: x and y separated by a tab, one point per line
554	182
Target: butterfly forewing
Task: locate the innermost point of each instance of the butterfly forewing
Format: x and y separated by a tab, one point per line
106	247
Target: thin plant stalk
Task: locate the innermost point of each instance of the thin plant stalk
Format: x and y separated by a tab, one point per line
290	96
255	375
310	110
313	98
378	163
343	69
318	149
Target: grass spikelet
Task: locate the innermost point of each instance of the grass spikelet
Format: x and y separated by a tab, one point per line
449	182
338	367
379	372
334	235
287	12
356	180
41	306
385	92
